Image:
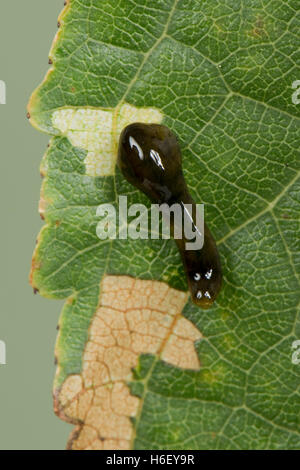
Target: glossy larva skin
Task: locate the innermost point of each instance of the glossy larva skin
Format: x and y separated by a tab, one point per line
150	159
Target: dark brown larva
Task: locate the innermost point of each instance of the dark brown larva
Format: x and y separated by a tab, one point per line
150	159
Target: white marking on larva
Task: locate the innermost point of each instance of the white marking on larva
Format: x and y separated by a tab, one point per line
197	276
199	294
133	143
207	295
156	158
208	274
92	130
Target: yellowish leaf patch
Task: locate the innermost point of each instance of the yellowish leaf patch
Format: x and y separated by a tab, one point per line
98	131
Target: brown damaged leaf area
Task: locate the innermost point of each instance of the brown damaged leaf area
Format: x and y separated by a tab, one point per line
133	317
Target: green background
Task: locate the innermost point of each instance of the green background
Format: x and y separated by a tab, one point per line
27	322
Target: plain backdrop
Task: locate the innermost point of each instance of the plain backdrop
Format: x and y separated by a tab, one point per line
27	321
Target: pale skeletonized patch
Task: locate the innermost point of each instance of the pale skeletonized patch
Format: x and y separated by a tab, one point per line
98	131
133	317
42	206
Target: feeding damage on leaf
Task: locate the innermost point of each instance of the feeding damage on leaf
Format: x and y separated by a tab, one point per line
98	131
125	325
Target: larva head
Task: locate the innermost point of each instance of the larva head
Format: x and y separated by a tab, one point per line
204	286
149	157
204	273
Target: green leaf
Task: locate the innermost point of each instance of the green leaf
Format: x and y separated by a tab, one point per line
220	75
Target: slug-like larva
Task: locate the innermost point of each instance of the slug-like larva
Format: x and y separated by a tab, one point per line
150	159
